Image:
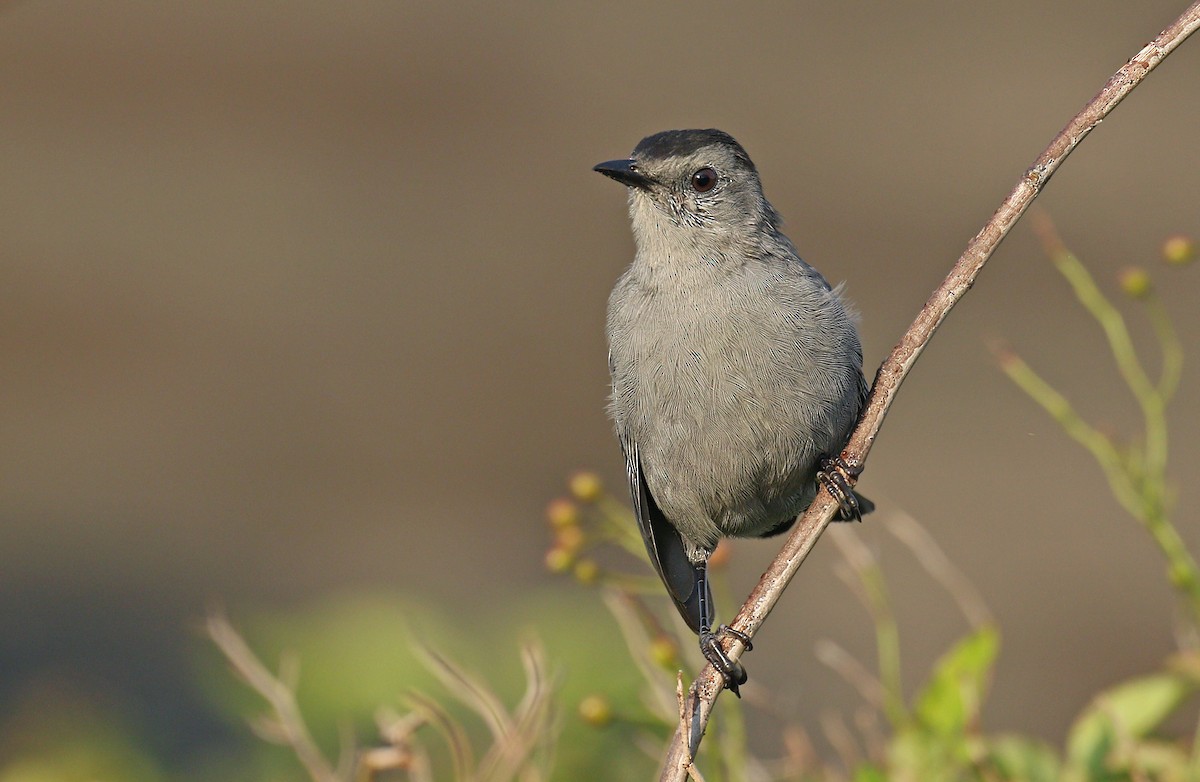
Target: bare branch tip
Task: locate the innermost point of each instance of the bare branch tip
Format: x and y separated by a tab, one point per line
1003	352
1046	232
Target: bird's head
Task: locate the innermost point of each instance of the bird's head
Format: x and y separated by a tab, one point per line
698	187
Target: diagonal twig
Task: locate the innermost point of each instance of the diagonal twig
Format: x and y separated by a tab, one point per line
286	725
808	528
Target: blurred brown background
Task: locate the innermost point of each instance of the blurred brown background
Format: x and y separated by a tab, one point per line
308	297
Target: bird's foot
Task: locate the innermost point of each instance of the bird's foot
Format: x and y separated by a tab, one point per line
838	476
731	670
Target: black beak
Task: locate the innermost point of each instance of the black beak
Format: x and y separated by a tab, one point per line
625	172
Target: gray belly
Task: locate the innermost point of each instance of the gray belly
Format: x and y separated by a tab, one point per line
737	464
729	439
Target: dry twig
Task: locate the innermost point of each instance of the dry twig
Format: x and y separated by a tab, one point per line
285	725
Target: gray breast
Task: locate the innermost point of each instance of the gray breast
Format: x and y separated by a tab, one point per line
731	392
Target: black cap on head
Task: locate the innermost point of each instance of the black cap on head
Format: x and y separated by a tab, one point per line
677	143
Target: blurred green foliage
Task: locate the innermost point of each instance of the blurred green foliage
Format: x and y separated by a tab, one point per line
60	734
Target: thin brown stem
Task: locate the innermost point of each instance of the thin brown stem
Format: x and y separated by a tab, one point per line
285	725
891	374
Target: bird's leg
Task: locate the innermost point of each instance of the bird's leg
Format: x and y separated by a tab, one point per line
710	642
837	476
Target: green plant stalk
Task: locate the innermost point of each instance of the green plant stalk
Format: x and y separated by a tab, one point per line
1181	567
1100	446
1169	344
887	643
871	590
619	526
1121	344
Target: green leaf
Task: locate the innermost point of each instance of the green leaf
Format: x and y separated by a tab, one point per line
917	755
1128	711
952	697
1017	757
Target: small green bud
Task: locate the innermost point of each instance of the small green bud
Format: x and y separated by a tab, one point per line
1180	575
1135	282
596	711
587	571
586	486
559	560
562	513
1179	250
569	538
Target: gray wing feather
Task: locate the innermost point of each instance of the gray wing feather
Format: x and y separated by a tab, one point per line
663	544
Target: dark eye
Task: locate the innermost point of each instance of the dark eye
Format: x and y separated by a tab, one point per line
704	180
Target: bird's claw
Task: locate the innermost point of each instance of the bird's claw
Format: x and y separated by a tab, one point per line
738	634
732	671
838	476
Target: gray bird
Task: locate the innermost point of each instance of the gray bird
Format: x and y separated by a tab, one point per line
736	368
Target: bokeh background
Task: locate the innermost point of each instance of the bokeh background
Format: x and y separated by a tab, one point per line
306	299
